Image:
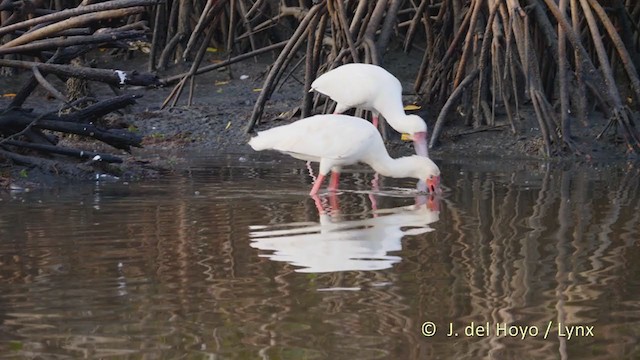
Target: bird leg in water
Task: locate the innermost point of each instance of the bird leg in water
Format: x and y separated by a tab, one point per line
375	182
333	203
318	202
333	182
374	120
375	188
374	204
317	184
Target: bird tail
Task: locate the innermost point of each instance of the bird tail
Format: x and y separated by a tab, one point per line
258	143
270	139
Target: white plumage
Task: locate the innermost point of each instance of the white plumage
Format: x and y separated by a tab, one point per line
371	87
338	140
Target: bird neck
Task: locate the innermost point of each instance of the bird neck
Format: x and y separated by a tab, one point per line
390	107
385	165
394	114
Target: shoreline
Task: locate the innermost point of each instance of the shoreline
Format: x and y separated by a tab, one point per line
223	103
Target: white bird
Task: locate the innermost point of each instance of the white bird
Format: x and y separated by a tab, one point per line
337	140
371	87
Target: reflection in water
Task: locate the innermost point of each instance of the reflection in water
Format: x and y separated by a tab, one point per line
337	244
168	269
534	249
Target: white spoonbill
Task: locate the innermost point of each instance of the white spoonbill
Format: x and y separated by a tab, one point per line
371	87
337	140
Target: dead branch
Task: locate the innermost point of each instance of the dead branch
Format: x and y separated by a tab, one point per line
113	77
71	23
54	43
65	14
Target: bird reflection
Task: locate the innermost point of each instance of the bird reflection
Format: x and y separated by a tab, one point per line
335	244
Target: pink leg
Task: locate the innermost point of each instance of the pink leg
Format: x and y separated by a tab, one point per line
374	204
333	182
318	203
374	121
372	197
333	201
375	186
317	184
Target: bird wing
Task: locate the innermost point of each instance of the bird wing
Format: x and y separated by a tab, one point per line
337	137
348	86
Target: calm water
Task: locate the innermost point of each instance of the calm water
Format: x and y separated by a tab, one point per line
234	260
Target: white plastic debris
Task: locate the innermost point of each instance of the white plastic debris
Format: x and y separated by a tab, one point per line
244	77
106	177
122	76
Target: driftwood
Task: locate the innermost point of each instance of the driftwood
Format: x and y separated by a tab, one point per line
51	149
70	23
60	56
21	128
87	169
65	41
58	37
112	77
81	10
13	121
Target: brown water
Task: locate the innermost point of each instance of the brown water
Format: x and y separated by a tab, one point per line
234	260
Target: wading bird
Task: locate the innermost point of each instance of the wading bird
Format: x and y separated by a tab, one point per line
371	87
336	140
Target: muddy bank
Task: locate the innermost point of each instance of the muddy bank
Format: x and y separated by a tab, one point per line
222	104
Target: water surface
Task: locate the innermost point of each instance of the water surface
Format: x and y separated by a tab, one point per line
233	259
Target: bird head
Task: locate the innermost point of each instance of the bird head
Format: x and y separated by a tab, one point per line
428	174
432	183
413	124
417	128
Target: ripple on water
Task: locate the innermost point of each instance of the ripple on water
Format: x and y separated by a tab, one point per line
236	260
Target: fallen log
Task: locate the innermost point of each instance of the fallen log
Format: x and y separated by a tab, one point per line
62	55
81	154
68	13
53	166
99	109
118	138
17	121
61	42
73	22
112	77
